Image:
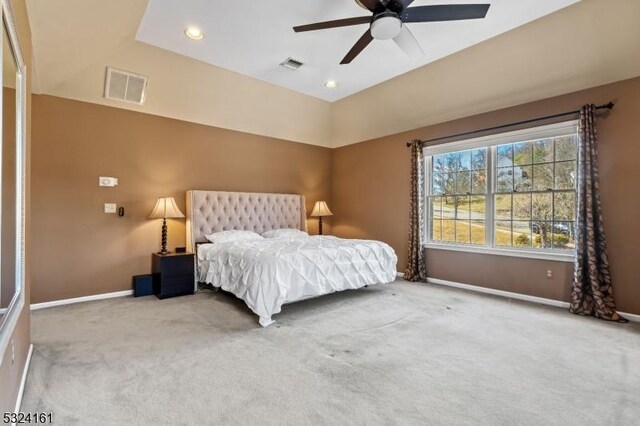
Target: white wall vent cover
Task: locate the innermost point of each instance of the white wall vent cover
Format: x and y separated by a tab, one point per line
125	86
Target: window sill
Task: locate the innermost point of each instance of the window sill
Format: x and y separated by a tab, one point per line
558	257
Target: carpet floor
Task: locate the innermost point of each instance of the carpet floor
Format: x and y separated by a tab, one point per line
396	354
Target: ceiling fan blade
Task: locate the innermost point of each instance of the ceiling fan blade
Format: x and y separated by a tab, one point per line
333	24
358	47
398	5
452	12
408	43
372	5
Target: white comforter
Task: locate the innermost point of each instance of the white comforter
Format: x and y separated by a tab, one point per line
270	272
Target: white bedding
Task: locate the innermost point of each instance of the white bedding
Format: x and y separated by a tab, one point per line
270	272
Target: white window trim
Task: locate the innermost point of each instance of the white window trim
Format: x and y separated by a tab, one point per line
565	256
541	132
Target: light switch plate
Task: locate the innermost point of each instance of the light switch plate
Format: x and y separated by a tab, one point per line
110	207
107	181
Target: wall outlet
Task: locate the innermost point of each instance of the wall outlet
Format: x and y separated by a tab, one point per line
110	207
549	273
107	181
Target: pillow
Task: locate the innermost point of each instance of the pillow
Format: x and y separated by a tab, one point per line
229	236
285	233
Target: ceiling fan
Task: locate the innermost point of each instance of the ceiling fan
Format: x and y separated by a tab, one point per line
389	19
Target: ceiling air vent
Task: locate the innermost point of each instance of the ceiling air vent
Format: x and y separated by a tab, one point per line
291	64
125	86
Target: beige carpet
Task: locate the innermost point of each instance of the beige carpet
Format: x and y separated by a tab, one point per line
394	354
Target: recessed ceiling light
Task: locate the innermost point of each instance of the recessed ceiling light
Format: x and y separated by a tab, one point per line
331	84
194	33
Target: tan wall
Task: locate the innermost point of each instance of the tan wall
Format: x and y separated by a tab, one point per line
82	251
11	373
371	197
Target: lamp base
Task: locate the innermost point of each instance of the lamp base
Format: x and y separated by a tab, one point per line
164	238
319	225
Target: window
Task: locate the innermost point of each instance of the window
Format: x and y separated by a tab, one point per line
514	191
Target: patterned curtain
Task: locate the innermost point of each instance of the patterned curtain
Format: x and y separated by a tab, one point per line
592	292
416	264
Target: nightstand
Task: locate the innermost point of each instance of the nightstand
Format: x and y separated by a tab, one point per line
172	274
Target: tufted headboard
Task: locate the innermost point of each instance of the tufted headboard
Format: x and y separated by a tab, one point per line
214	211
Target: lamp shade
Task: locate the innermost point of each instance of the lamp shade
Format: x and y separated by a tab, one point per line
321	209
166	208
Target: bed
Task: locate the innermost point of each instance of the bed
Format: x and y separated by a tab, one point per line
269	272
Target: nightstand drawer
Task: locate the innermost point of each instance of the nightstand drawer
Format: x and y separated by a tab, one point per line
182	265
174	286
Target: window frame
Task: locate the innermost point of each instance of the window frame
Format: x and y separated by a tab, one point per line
490	142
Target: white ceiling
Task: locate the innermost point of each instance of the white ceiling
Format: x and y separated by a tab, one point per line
252	37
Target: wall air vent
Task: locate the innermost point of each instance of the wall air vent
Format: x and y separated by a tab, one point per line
125	86
291	64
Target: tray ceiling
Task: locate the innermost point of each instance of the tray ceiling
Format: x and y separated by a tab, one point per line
252	37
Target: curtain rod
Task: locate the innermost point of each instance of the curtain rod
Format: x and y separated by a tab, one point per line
608	106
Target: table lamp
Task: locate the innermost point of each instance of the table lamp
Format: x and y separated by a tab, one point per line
165	208
319	210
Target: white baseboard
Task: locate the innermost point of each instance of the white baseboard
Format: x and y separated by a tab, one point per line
36	306
501	293
630	317
400	274
23	382
517	296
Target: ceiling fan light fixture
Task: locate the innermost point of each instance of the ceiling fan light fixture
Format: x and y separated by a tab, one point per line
386	26
194	33
331	84
359	3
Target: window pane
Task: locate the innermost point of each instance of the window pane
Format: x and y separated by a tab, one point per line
463	183
563	235
478	230
541	206
522	153
522	207
448	231
461	208
463	232
522	233
542	177
438	183
522	178
566	148
503	207
542	233
448	207
449	183
450	162
478	207
479	159
543	151
503	233
438	163
436	207
505	155
465	160
564	206
436	230
479	182
566	175
504	181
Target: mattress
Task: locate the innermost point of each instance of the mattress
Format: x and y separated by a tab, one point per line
270	272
